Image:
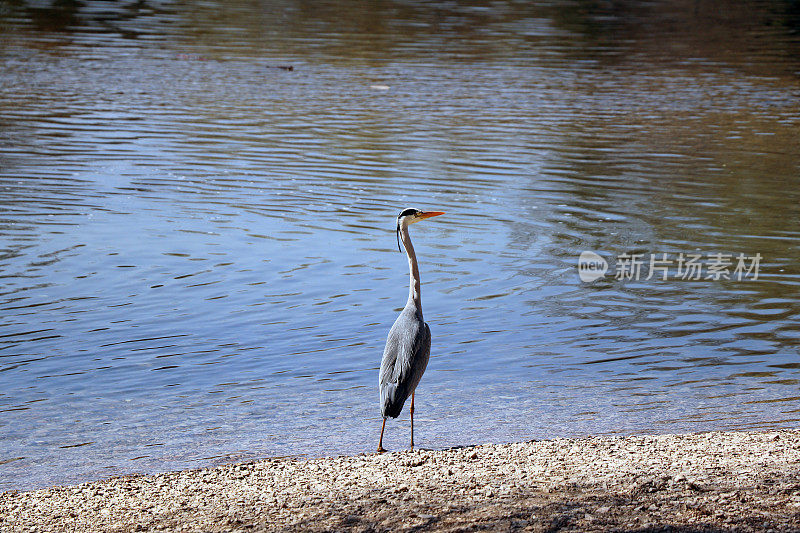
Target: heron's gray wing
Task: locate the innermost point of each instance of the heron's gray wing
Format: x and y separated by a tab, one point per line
404	361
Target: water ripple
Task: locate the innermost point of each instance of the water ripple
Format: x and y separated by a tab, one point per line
199	261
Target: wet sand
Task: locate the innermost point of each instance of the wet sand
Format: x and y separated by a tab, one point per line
723	481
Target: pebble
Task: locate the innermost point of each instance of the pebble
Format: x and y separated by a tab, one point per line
724	481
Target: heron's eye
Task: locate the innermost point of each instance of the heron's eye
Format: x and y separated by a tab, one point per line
408	212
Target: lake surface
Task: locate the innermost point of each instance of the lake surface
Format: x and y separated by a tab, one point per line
198	256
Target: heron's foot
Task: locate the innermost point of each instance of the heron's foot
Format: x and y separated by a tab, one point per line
381	449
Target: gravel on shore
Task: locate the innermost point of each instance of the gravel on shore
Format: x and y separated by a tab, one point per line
722	481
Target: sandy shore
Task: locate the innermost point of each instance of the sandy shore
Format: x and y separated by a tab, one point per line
742	481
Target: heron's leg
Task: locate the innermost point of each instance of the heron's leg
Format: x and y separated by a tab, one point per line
412	420
380	441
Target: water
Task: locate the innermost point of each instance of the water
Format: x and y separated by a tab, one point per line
198	261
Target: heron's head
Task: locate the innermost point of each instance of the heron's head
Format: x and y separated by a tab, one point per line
409	216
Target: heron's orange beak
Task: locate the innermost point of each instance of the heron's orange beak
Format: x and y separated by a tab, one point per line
429	214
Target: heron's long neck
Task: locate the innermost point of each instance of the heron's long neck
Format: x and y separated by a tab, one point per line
414	286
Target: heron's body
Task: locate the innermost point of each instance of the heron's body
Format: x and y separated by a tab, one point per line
405	358
408	345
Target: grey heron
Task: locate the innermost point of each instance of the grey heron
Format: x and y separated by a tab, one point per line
408	345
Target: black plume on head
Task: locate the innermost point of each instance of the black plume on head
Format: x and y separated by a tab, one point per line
404	213
398	235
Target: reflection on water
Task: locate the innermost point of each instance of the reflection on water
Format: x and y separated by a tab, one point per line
198	261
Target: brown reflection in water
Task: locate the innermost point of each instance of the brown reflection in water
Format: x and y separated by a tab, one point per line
728	32
731	33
